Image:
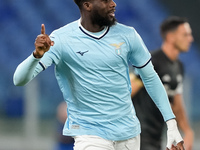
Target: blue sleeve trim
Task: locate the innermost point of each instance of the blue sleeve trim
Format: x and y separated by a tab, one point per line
43	67
143	65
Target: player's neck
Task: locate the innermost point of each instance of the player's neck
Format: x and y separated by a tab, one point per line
170	51
89	26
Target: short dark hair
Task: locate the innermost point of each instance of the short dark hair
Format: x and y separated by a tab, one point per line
171	24
80	2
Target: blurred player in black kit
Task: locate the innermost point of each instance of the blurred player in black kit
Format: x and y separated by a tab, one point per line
177	38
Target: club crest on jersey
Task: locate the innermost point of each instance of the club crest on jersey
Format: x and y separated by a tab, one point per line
117	47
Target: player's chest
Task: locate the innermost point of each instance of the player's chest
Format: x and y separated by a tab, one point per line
87	52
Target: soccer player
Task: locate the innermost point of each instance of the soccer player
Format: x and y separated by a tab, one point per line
177	38
91	58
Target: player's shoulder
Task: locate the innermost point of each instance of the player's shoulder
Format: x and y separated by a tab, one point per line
123	28
68	28
157	53
157	56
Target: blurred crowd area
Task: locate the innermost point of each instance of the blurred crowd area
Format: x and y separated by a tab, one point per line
28	114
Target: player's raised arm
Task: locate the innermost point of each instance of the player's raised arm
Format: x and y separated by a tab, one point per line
42	43
27	70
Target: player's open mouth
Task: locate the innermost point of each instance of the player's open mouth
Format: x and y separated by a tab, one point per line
112	13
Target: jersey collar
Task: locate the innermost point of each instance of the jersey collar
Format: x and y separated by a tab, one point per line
95	35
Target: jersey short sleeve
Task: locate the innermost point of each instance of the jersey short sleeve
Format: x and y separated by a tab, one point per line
139	54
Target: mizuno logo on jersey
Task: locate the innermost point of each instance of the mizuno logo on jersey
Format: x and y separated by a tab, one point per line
117	47
82	53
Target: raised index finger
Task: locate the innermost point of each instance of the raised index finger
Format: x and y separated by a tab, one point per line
42	29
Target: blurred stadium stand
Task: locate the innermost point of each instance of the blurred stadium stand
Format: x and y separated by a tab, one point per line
20	23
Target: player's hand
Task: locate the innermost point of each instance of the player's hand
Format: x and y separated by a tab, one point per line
179	146
173	135
42	43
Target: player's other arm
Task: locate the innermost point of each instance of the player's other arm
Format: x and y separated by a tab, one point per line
158	94
25	71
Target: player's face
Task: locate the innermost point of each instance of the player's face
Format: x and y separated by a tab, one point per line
102	12
183	37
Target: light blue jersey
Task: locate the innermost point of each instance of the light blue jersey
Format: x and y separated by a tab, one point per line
92	72
93	75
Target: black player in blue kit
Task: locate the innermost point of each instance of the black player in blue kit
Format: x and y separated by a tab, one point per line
91	57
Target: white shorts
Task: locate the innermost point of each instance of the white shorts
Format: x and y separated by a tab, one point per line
90	142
